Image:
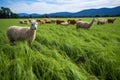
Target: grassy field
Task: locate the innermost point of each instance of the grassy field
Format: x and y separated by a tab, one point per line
62	53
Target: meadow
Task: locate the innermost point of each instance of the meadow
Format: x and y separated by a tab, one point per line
62	53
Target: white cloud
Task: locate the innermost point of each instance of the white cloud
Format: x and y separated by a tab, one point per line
51	6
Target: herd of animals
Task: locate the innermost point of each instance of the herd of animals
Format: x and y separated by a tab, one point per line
79	23
16	33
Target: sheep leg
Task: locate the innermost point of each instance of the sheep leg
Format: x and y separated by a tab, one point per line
29	42
12	42
77	26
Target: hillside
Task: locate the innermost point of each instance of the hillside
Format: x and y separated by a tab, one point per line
89	12
27	15
62	53
100	12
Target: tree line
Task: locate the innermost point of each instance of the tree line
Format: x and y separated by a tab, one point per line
7	13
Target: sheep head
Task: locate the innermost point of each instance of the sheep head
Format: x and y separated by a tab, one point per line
33	25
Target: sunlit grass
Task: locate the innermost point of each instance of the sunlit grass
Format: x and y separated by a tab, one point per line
62	53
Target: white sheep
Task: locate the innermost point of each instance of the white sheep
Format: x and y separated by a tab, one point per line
53	20
82	24
64	23
101	21
23	22
16	33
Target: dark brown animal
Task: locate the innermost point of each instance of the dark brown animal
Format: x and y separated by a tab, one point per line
71	21
59	21
111	20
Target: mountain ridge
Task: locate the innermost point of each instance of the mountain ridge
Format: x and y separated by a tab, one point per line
87	12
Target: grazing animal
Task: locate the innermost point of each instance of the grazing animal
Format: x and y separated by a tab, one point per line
47	21
37	20
101	21
59	21
23	22
65	23
111	20
42	21
87	25
53	20
16	33
71	21
30	20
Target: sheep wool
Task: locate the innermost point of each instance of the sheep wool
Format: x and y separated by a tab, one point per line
87	25
16	33
101	21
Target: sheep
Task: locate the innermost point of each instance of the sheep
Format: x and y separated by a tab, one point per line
18	33
53	20
111	20
87	25
30	20
101	21
64	23
23	22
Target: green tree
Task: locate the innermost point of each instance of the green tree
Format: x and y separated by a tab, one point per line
7	13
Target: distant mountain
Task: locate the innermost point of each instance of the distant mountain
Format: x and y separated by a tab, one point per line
35	14
60	14
23	14
100	12
27	15
89	12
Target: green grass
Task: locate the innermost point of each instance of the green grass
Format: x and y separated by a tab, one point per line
62	53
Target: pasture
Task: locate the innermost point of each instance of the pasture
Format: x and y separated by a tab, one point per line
62	53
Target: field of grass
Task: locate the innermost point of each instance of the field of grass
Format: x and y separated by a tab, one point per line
62	53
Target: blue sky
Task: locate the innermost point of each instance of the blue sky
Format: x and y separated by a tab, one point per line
51	6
